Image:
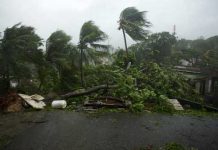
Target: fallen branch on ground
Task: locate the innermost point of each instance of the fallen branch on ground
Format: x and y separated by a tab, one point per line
99	104
81	92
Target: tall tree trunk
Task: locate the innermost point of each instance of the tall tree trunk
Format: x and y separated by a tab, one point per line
7	77
124	36
81	67
40	86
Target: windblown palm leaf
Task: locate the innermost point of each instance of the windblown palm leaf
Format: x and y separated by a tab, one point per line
93	56
57	45
90	34
134	22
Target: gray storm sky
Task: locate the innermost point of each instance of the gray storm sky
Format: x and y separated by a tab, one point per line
193	18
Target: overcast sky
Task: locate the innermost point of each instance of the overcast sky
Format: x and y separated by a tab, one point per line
193	18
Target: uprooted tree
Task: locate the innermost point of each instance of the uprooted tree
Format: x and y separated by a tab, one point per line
148	84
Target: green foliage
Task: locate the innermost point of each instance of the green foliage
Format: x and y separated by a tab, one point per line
137	107
173	146
57	45
121	59
48	78
200	52
61	65
210	59
169	146
163	105
150	85
168	82
19	53
156	47
163	48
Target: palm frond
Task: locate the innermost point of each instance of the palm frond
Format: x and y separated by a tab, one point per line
133	23
90	33
133	15
136	32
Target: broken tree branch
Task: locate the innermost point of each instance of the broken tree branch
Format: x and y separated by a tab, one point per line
98	105
81	92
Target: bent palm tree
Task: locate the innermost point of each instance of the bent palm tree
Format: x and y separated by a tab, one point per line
90	35
58	48
133	23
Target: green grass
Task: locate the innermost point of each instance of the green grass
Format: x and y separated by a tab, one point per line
200	113
173	146
169	146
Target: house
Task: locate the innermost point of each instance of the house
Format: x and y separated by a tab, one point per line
203	80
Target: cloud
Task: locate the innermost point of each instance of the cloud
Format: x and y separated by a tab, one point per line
192	18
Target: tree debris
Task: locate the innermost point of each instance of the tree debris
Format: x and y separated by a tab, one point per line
81	92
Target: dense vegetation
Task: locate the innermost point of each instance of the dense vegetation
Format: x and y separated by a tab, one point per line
143	73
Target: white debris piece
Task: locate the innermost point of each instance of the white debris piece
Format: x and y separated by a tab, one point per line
175	104
59	104
37	97
34	103
128	65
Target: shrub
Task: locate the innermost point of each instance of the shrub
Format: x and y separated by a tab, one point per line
173	146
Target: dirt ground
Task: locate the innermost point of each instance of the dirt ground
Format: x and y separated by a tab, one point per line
62	130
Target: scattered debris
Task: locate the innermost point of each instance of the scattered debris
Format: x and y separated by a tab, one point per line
37	97
186	106
11	103
36	103
109	102
175	104
90	109
59	104
15	106
147	111
197	105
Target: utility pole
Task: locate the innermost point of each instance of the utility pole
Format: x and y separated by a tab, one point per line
174	29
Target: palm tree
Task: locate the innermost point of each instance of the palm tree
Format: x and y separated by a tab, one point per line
58	48
133	22
61	60
90	36
19	51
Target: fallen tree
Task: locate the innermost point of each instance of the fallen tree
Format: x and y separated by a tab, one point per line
99	104
81	92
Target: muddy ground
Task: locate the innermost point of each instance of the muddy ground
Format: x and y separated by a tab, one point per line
62	130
